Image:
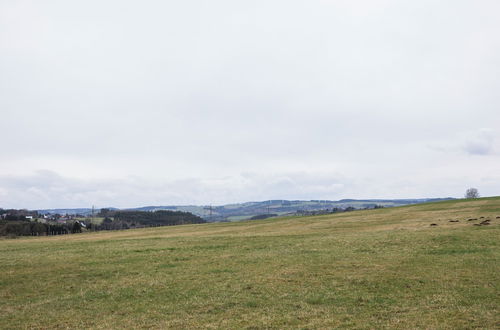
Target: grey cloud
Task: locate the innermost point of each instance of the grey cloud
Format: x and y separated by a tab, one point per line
481	143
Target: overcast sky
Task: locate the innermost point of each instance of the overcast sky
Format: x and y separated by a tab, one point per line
131	103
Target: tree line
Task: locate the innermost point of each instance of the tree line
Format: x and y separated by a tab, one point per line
161	217
34	228
15	223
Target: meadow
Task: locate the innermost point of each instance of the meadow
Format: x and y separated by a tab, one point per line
405	267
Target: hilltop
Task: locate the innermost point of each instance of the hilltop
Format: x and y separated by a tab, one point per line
432	265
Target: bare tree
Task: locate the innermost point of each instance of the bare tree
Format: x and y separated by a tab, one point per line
471	193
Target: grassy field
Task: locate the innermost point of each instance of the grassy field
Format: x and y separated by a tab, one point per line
384	268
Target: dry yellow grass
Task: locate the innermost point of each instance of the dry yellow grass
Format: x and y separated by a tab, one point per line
384	268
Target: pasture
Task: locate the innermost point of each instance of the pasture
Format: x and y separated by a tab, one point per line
383	268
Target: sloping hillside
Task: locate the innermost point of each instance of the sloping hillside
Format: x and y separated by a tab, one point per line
418	266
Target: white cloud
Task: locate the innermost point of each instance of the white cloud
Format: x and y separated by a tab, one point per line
170	102
46	189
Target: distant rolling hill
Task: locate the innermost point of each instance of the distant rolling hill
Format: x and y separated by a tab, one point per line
243	211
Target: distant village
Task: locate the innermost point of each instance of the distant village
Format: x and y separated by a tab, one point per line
23	214
32	223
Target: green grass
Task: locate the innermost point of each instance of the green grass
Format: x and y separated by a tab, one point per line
94	220
384	268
